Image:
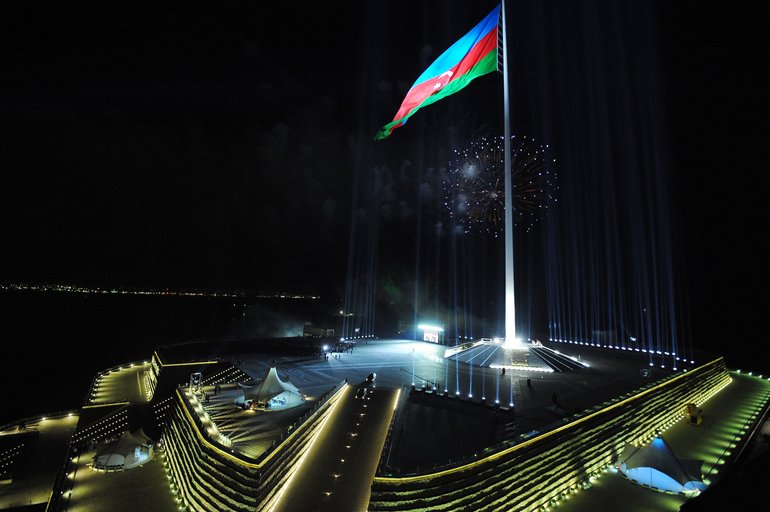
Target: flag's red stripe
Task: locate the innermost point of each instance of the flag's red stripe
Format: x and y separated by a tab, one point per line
421	91
482	48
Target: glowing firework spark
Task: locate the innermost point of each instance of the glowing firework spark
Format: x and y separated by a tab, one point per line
474	192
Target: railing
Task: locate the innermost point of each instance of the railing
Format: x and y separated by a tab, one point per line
395	421
742	439
509	443
37	418
203	429
61	480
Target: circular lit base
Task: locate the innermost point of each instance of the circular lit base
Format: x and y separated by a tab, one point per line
514	344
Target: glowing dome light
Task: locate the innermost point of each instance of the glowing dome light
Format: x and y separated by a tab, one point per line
513	344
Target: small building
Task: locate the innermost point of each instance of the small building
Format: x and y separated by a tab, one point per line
317	331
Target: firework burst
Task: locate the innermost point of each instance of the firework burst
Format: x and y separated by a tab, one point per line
474	191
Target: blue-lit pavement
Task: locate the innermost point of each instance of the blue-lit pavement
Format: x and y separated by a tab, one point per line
495	355
482	355
431	430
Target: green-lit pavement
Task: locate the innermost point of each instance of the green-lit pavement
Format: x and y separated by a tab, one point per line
725	417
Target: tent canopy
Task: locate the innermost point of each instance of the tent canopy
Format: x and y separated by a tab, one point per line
271	387
657	466
124	450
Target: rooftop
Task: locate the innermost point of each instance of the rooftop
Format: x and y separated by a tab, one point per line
246	431
449	417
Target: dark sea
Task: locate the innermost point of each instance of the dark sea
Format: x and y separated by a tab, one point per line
54	342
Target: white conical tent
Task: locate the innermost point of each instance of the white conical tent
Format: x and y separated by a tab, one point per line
126	452
656	466
273	392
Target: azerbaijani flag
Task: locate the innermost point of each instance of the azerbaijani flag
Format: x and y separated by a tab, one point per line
475	54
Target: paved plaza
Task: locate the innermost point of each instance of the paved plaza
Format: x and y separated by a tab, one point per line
424	412
446	425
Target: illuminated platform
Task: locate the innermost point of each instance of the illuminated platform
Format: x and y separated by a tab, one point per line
121	384
446	425
535	471
208	473
31	455
247	432
520	357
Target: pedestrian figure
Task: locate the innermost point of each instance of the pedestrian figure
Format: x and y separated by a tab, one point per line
529	383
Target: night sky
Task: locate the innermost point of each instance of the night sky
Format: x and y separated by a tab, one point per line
233	148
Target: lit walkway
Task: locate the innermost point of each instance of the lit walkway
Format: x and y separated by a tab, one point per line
339	469
125	384
45	450
724	415
141	488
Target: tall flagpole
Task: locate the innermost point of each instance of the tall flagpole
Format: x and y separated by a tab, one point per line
510	303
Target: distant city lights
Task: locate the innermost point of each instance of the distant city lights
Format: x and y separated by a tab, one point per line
236	294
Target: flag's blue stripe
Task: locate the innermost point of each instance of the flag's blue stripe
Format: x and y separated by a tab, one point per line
460	49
